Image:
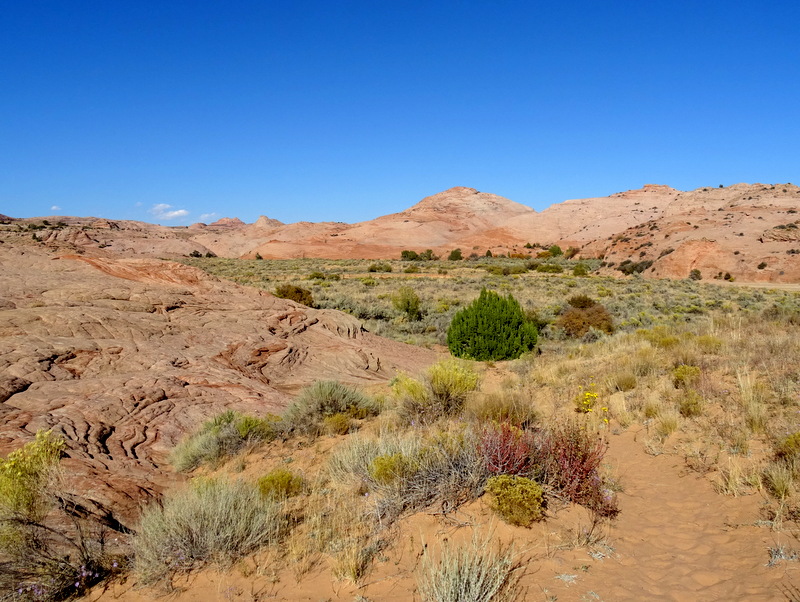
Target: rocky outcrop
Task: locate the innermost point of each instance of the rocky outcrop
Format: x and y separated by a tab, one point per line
125	357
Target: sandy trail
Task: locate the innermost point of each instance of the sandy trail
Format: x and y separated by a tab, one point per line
677	539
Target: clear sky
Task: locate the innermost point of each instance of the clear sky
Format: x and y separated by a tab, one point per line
183	111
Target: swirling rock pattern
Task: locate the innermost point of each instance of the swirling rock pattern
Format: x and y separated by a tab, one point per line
123	357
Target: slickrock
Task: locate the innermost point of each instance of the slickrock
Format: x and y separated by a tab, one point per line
123	357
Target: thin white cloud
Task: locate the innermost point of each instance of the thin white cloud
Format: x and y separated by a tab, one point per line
166	212
207	217
55	208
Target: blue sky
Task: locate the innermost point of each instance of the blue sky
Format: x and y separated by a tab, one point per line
176	112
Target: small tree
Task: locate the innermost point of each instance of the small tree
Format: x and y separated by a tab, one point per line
455	255
409	255
555	251
407	301
491	328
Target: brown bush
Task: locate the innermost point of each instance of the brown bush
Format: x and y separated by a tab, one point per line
576	322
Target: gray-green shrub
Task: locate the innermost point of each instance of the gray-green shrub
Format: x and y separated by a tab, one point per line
324	399
221	437
212	521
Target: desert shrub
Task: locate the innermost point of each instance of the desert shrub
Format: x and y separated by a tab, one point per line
212	521
708	343
324	399
789	448
469	573
280	483
380	267
567	457
549	268
555	251
505	449
659	336
695	274
577	322
295	293
46	551
408	255
455	255
690	403
491	328
629	267
580	270
221	437
517	500
26	473
684	376
316	275
442	392
581	301
505	406
408	302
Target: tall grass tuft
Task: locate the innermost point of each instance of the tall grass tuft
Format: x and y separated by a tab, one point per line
470	573
212	521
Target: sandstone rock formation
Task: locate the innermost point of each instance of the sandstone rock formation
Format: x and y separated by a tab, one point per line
729	230
123	357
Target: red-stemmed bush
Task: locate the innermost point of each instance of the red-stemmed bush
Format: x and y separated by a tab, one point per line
505	448
567	457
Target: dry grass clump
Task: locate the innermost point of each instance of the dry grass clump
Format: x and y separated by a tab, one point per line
514	407
471	572
211	521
